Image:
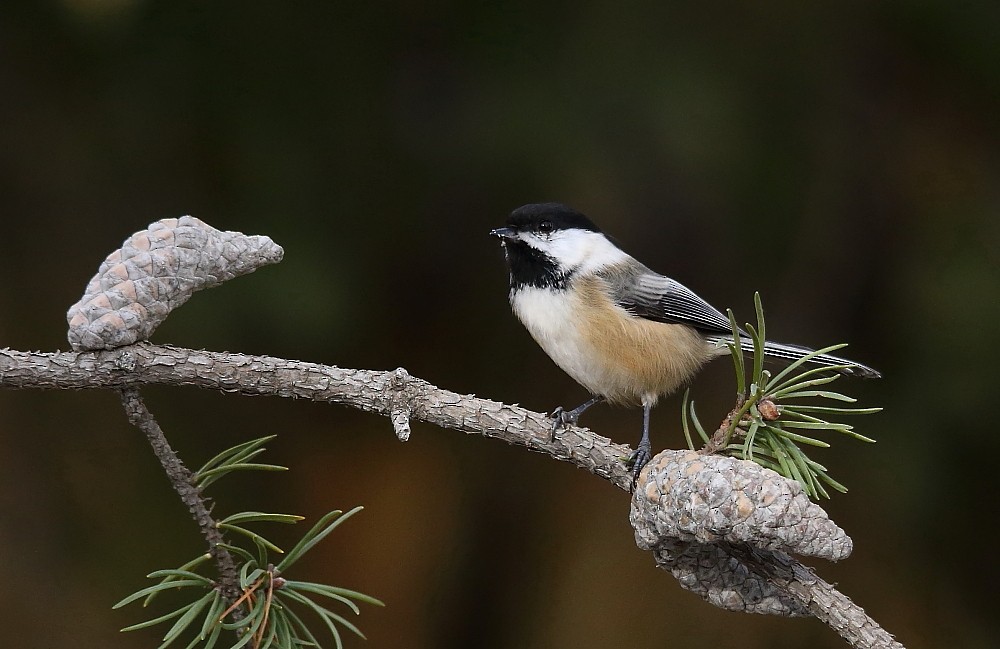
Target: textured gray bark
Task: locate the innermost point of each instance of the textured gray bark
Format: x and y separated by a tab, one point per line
386	393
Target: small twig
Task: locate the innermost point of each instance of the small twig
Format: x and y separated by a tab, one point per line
728	428
246	596
181	480
268	598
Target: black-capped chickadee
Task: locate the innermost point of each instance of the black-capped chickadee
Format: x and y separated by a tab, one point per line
623	332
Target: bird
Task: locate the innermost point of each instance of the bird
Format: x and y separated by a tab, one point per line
628	335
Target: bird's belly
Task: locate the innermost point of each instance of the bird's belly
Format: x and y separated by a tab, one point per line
625	359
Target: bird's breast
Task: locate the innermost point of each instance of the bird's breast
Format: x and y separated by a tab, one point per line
552	317
624	358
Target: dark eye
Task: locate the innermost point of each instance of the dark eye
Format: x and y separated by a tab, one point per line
545	227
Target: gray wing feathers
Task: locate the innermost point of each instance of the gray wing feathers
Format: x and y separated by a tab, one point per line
655	297
648	295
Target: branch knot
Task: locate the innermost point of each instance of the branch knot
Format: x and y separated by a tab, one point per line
400	405
125	361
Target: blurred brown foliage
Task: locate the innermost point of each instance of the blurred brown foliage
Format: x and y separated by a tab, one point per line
842	158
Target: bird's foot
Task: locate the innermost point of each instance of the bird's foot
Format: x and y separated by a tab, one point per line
638	459
561	418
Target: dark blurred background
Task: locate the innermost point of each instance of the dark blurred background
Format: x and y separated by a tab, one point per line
842	158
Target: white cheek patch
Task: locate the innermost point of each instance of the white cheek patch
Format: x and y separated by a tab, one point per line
578	250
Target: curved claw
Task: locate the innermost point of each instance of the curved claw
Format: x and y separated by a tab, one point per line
640	457
562	418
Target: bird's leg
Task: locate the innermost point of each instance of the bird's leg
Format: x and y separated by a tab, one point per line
642	453
562	417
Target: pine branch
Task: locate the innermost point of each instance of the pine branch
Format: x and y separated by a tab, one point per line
391	393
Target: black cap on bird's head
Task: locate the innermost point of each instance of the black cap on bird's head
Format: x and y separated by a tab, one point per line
543	218
557	215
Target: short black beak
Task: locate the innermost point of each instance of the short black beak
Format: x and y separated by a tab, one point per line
504	233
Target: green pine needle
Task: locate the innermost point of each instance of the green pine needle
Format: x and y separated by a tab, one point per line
253	536
736	350
236	458
684	419
697	425
776	442
268	618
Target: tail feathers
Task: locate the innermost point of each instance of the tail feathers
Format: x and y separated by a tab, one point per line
794	352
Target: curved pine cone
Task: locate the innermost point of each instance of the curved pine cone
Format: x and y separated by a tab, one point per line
690	510
710	498
155	271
